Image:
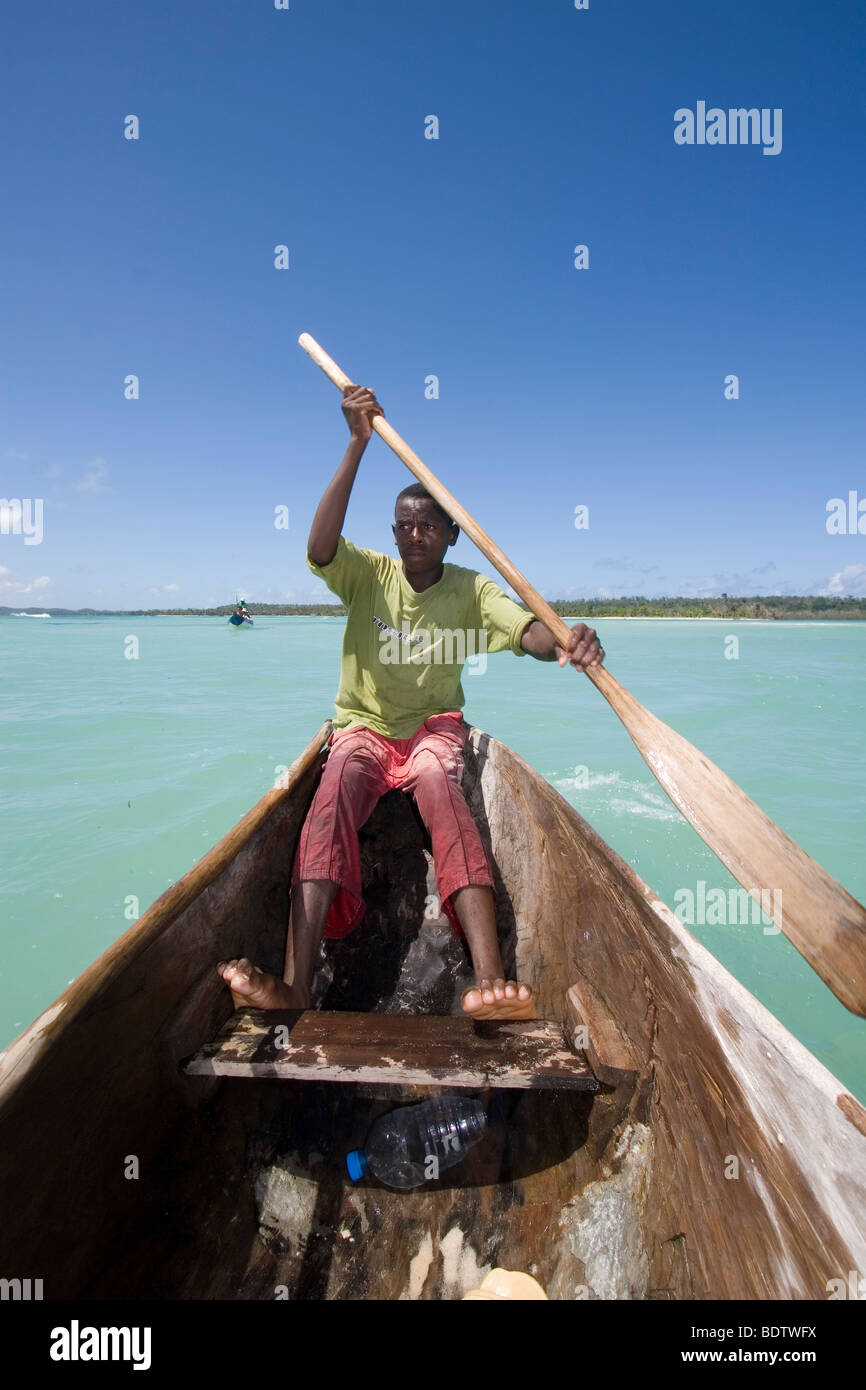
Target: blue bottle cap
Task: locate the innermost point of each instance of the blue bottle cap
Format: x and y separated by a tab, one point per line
356	1163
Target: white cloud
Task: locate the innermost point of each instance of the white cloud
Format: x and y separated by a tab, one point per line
739	584
850	580
10	585
94	478
16	454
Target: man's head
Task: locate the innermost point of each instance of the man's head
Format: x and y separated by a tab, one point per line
422	529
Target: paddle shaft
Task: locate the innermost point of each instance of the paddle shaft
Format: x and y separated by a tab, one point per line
823	920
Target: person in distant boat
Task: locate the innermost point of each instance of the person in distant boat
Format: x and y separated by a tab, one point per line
398	723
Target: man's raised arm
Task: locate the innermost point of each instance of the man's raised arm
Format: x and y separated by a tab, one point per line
359	407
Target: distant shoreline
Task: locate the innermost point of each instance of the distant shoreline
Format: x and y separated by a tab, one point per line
772	608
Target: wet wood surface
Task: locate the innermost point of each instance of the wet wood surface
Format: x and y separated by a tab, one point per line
394	1048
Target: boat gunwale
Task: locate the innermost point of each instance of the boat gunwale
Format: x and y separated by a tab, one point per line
52	1021
798	1054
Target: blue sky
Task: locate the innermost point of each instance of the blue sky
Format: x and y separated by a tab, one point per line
409	257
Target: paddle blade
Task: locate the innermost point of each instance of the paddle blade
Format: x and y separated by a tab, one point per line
824	922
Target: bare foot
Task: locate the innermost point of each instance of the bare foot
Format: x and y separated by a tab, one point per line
253	988
498	999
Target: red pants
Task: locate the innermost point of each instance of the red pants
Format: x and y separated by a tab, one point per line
361	767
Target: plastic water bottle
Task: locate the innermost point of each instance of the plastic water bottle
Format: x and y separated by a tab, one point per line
412	1145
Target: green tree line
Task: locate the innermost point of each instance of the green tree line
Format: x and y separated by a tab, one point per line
774	606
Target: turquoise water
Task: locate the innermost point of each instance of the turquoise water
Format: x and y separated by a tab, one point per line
119	774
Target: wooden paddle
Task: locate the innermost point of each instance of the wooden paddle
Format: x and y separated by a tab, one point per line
824	922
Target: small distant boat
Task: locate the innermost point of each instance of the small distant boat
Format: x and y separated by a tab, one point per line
241	618
29	615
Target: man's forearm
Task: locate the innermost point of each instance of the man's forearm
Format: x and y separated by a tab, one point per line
583	650
331	512
537	641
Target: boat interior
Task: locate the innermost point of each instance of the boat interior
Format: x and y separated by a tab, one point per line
141	1180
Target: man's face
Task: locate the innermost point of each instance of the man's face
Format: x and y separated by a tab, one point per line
422	534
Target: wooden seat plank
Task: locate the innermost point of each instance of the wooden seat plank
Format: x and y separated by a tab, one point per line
397	1049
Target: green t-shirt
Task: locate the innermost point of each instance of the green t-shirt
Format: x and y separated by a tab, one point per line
403	652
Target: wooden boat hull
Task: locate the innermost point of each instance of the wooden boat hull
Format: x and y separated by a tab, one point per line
133	1180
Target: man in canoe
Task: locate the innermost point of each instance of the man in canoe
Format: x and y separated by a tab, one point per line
398	723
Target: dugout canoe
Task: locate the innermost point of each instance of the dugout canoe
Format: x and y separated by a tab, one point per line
717	1159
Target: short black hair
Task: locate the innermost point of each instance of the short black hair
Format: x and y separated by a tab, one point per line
419	490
